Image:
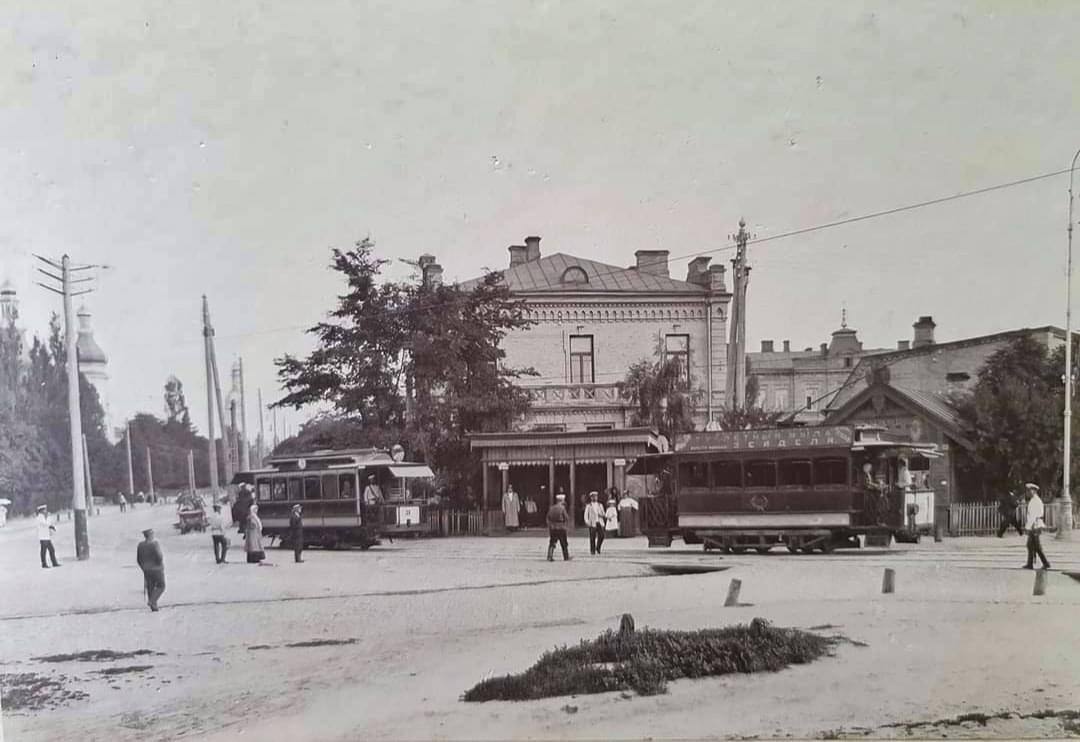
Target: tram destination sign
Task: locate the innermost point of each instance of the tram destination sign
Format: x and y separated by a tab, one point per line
768	439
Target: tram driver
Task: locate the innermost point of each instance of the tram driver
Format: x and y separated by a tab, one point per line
876	495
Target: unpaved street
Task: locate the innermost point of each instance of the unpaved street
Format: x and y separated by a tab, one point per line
380	645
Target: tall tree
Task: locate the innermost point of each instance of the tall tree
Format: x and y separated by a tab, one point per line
175	403
658	388
420	364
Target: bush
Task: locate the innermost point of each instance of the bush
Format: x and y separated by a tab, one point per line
645	660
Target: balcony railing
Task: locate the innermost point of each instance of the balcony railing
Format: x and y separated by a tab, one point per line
578	395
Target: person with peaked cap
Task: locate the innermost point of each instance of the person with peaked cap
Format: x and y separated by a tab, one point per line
296	532
557	521
594	521
45	530
1034	525
1007	506
217	535
152	563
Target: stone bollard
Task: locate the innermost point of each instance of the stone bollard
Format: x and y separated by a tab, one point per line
733	594
1040	583
888	582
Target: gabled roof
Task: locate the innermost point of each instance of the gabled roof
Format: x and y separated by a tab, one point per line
547	273
932	406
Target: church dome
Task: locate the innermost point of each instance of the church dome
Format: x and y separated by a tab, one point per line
88	349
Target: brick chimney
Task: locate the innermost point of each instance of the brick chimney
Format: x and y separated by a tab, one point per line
432	273
924	332
532	248
517	254
653	262
824	349
787	346
716	279
698	271
425	260
766	346
903	345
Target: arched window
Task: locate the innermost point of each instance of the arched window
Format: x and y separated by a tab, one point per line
575	274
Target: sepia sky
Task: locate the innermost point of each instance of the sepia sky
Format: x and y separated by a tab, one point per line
224	147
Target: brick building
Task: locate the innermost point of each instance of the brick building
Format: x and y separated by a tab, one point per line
592	321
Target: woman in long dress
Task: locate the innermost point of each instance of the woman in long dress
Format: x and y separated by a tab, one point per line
253	537
511	506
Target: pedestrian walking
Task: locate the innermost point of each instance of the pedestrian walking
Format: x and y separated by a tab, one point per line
1034	526
611	519
123	502
152	563
628	506
45	530
511	507
217	535
595	521
1007	505
253	537
557	521
296	532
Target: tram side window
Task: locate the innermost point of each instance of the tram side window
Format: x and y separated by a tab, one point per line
278	491
796	473
918	463
726	474
330	487
761	474
262	491
347	492
296	489
830	471
312	491
693	474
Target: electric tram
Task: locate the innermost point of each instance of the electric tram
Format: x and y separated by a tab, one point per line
808	488
331	487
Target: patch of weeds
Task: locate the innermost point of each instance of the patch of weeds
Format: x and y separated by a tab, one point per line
260	646
644	661
322	643
29	691
124	670
96	655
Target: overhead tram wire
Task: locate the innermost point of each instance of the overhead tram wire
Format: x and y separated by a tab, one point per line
753	241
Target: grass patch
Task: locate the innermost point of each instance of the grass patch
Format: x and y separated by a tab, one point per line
644	661
29	691
124	670
322	643
95	655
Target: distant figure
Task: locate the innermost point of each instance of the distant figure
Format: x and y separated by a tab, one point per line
1034	526
140	497
531	510
373	494
627	507
217	535
874	495
595	521
296	532
557	521
123	503
3	514
611	519
241	508
152	563
45	530
1007	506
511	507
253	537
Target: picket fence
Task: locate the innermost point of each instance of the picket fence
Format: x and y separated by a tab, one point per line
464	522
983	519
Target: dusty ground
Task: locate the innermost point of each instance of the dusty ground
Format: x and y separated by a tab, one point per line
389	639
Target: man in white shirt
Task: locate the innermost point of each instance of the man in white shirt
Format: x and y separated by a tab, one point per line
217	535
45	531
1034	526
595	520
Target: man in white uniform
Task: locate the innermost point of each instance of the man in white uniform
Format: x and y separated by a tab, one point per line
1034	525
45	531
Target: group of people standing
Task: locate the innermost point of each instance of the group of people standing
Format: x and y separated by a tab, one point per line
602	521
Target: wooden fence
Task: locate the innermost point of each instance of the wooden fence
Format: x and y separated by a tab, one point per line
983	518
464	522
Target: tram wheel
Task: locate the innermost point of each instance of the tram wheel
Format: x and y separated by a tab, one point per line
793	548
763	549
738	549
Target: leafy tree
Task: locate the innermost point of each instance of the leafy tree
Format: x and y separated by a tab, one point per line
419	364
658	388
1013	416
175	402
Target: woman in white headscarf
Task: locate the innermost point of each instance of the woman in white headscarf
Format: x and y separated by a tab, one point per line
253	537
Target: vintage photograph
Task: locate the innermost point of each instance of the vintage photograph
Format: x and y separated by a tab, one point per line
539	370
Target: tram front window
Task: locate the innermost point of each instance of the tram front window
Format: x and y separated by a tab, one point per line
346	489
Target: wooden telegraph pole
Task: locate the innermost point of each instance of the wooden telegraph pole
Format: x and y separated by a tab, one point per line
262	433
150	474
220	408
89	481
736	356
131	472
208	333
245	454
78	473
191	470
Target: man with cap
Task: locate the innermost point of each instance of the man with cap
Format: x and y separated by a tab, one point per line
594	521
296	531
373	492
152	563
45	530
1034	525
217	534
557	521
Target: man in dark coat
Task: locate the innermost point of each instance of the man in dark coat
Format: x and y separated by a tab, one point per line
152	563
557	521
296	531
1007	505
241	508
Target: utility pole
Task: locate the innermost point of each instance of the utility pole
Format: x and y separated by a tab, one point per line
1066	525
208	333
245	454
131	472
262	433
736	357
150	473
89	481
78	473
191	470
220	406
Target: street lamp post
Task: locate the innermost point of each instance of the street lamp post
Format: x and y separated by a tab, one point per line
1065	526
